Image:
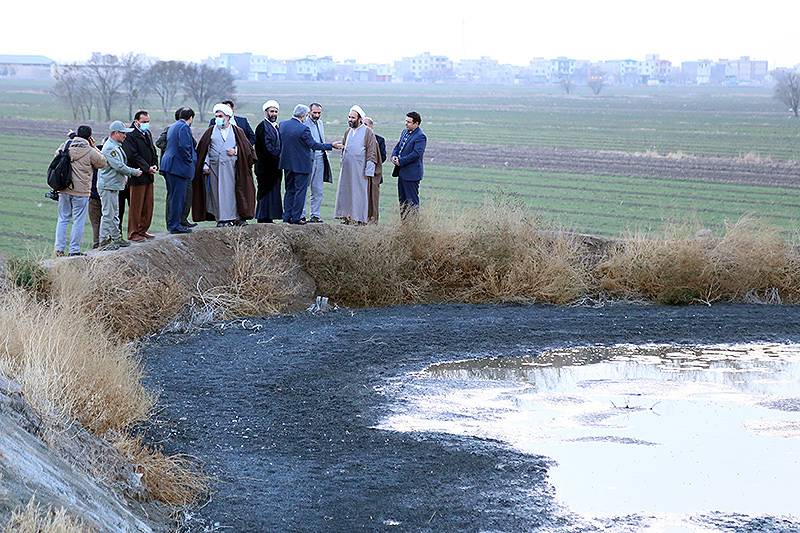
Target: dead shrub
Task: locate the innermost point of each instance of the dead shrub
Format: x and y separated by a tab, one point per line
750	259
131	302
171	479
68	364
262	277
34	519
500	256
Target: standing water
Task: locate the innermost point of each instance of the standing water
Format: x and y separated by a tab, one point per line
673	433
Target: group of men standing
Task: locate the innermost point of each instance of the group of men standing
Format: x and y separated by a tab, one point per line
213	177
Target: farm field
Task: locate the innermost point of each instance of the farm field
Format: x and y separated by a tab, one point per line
705	155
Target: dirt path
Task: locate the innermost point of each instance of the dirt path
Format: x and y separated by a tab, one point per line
715	169
281	413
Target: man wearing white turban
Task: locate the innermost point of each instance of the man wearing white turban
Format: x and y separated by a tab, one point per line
269	205
223	186
359	161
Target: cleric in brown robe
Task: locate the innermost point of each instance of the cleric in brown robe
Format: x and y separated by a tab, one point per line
244	190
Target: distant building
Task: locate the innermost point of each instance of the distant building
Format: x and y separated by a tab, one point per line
696	72
424	67
26	67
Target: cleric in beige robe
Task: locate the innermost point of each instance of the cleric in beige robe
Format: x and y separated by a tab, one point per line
359	161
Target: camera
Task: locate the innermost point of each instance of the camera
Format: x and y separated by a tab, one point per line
53	195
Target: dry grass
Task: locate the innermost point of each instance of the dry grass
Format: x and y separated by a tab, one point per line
749	260
34	519
262	277
68	364
172	479
131	302
497	257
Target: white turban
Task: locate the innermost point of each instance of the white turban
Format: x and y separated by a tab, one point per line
271	103
226	109
358	110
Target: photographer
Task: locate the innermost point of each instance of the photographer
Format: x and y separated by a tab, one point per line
73	202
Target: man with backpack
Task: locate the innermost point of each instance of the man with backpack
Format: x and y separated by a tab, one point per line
73	199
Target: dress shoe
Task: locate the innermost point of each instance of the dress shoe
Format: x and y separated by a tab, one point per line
188	224
180	230
315	220
122	243
301	222
76	254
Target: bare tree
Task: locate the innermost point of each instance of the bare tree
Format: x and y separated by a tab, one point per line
596	81
787	89
166	78
74	88
566	83
133	72
206	84
68	87
106	78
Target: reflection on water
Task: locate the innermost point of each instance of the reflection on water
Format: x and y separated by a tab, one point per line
653	430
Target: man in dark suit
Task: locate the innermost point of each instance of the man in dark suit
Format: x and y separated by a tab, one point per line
407	159
268	175
178	164
161	143
141	152
242	122
297	152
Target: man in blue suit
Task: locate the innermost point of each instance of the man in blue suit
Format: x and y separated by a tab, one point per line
407	159
178	165
242	122
297	155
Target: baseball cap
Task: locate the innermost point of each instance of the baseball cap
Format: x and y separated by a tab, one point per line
118	125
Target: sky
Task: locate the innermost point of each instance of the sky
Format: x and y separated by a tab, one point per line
380	31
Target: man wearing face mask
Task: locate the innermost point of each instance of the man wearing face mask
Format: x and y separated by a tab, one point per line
223	187
141	154
269	205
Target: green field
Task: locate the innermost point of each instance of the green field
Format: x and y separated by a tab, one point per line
727	122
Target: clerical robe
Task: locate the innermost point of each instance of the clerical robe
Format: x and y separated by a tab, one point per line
359	161
212	196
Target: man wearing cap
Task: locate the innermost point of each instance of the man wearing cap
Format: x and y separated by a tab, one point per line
110	180
360	160
297	147
321	167
268	151
223	187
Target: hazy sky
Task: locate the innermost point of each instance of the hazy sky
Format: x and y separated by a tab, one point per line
381	31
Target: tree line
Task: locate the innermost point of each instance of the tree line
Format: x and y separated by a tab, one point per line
94	86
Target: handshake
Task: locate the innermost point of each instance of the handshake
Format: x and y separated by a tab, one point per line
337	145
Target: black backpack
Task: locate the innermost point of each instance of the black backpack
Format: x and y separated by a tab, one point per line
59	173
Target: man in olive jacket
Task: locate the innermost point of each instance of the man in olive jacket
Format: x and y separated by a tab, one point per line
141	152
111	180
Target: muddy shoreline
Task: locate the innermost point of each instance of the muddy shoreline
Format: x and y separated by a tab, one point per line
281	412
